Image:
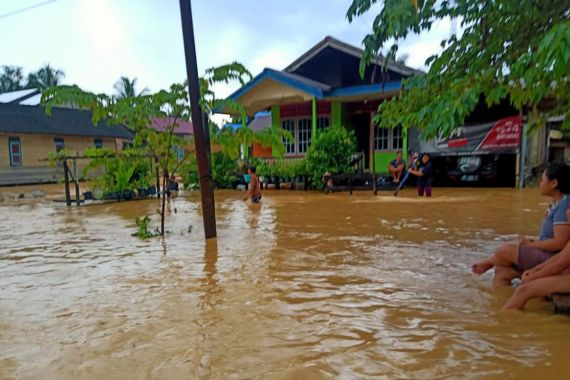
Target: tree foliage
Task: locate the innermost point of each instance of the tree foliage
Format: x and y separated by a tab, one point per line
11	79
138	113
45	77
126	88
505	49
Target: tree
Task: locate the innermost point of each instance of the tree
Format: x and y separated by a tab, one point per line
138	112
506	49
126	88
45	78
11	79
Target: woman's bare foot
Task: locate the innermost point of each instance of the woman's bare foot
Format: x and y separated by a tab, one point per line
481	267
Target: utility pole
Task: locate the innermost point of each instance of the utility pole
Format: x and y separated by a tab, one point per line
201	132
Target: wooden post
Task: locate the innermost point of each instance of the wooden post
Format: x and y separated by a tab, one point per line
201	134
76	180
66	176
157	170
372	159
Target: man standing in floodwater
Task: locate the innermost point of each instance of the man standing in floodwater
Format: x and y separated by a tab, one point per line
397	167
425	176
254	190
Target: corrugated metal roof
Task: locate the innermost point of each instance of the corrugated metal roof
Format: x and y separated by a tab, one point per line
15	96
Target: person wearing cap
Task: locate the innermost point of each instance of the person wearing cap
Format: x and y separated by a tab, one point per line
254	191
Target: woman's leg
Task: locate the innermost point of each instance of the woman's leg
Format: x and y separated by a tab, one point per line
538	288
506	255
504	276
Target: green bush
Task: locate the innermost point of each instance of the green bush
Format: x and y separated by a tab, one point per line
225	172
330	152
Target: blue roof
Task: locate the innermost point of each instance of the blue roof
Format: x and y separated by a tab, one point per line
233	126
311	87
365	90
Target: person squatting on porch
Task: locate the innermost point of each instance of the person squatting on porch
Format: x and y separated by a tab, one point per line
513	259
397	167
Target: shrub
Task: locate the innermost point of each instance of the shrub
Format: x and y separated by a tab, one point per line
330	151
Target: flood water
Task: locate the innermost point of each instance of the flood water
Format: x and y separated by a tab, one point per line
303	286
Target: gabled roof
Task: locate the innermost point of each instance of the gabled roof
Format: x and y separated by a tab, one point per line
261	121
298	82
348	49
16	119
184	128
297	85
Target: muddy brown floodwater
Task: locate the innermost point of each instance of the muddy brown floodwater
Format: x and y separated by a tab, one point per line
304	286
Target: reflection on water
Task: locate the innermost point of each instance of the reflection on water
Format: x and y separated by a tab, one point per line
304	286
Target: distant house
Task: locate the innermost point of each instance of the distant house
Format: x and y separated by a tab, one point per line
322	88
28	135
184	129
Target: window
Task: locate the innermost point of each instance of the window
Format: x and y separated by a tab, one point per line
381	138
59	144
323	122
15	148
289	125
397	138
388	138
304	132
98	143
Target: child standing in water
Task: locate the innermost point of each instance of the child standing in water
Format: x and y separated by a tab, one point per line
254	190
425	176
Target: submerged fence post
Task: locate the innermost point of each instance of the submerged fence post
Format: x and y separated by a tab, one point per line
76	181
66	176
201	134
372	162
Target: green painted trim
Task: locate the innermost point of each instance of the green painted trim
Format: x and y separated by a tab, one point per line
314	119
275	119
276	116
382	160
336	114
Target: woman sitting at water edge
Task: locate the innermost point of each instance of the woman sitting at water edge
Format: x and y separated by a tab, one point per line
552	276
511	260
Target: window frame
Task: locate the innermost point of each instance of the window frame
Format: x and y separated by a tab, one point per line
15	141
392	140
296	120
56	141
98	143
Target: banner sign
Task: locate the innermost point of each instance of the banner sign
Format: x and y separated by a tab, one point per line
501	136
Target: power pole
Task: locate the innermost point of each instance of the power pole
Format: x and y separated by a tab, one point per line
201	132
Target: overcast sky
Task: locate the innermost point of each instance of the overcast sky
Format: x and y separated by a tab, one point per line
96	41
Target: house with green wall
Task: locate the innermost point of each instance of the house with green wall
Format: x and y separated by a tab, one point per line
323	87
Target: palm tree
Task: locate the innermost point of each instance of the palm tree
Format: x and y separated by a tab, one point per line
45	77
126	88
11	78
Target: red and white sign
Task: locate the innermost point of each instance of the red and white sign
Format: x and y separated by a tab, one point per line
507	133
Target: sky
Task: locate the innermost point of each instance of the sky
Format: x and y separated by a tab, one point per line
97	41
